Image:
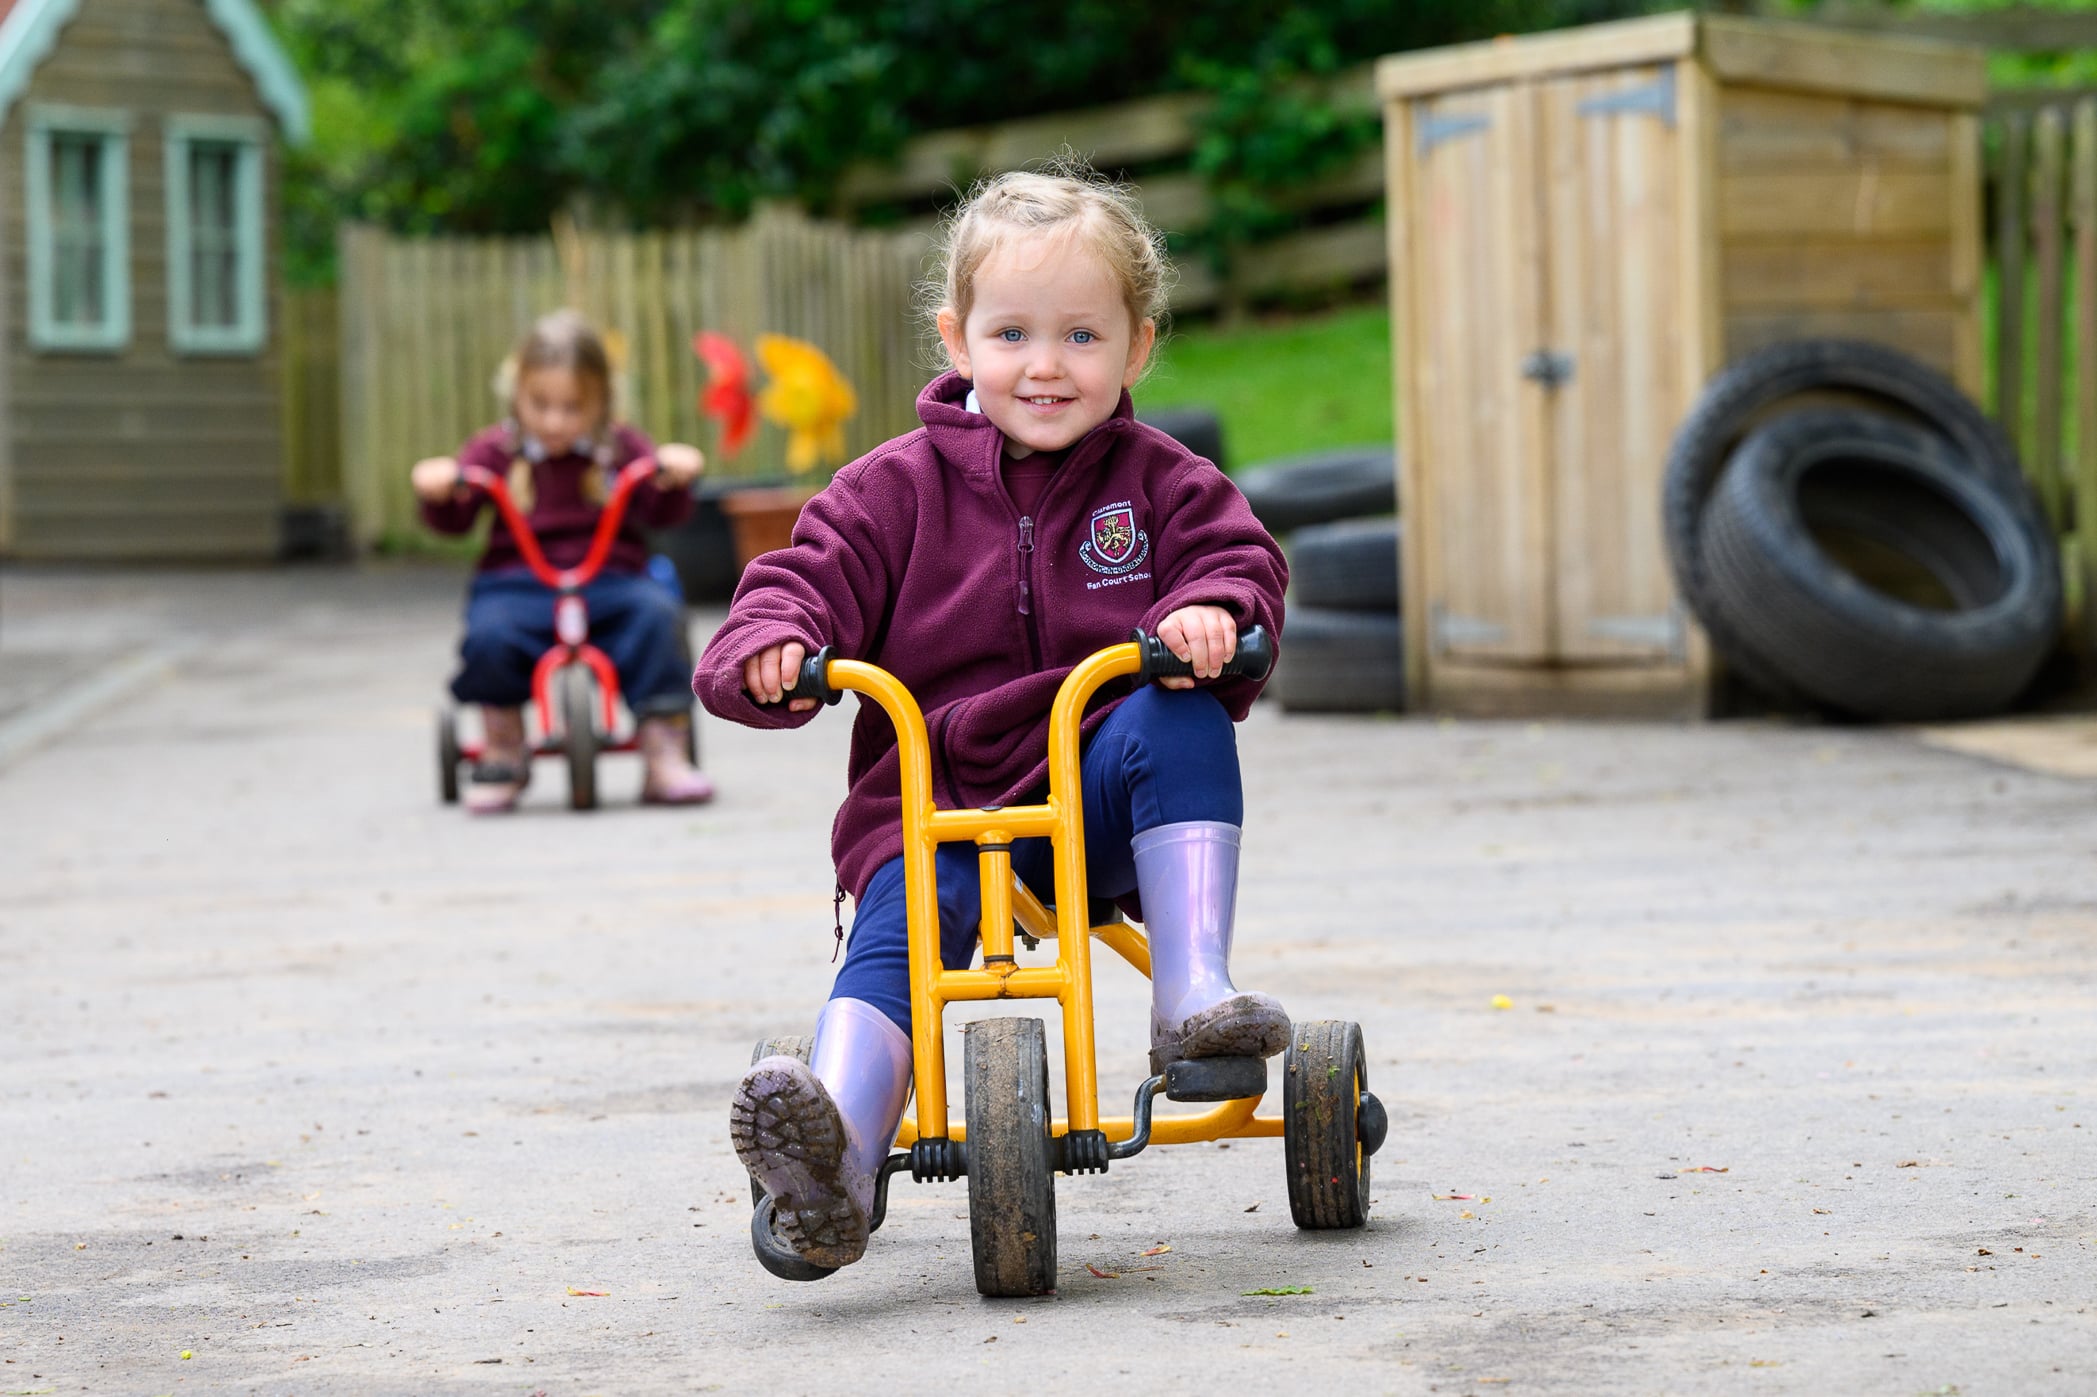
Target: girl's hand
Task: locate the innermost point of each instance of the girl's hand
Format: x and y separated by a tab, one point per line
679	465
435	478
1204	636
771	674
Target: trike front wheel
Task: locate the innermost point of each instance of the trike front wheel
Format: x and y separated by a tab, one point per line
1011	1157
579	735
1325	1092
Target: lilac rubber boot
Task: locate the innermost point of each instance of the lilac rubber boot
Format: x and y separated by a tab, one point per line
814	1134
1187	876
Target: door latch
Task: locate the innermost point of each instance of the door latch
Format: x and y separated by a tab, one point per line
1548	367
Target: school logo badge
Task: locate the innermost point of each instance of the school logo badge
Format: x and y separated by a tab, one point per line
1116	545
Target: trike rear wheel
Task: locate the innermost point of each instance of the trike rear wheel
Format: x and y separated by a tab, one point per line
579	735
448	757
1011	1157
785	1045
1325	1080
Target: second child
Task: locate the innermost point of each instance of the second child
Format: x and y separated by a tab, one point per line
559	449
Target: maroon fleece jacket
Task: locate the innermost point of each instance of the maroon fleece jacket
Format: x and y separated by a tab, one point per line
915	559
563	514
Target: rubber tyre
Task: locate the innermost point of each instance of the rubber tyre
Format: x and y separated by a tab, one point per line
1748	390
798	1045
448	758
1839	640
1325	1074
1349	565
578	689
1352	483
1198	429
1011	1157
1341	662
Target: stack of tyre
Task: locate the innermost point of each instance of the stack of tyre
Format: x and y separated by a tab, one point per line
1857	537
1334	512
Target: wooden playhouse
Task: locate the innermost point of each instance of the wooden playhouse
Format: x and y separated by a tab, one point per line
139	411
1584	226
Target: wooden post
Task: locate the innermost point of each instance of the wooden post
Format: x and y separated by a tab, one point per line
2043	457
2010	194
2085	502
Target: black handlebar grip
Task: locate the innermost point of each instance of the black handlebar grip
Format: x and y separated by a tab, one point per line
1254	657
815	679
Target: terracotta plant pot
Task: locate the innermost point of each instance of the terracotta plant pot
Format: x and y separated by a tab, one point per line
763	518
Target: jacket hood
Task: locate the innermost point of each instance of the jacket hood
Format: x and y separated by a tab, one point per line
972	445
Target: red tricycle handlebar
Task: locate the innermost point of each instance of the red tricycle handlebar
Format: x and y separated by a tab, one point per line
631	475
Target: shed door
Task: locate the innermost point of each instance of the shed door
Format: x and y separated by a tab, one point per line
1612	214
1476	292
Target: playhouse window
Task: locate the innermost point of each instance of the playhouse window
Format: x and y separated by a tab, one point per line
79	283
215	238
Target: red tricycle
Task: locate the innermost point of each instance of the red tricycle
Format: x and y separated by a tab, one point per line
575	689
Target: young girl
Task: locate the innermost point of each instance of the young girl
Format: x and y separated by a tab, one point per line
559	449
1029	523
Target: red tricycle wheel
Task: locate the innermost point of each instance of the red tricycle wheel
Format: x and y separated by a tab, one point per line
579	734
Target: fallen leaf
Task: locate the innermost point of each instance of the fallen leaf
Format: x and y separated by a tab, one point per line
1982	1251
1501	1001
1103	1275
1159	1250
1455	1197
1823	1210
1254	1208
1467	1213
1707	1169
1280	1290
573	1291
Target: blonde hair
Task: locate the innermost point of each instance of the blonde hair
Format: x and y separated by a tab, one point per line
562	339
1066	198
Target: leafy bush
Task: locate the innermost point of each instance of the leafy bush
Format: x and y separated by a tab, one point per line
489	115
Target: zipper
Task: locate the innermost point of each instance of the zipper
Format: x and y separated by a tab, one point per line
1026	564
1026	588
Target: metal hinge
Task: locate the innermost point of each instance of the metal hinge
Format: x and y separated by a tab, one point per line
1431	130
1548	367
1451	631
1664	631
1655	98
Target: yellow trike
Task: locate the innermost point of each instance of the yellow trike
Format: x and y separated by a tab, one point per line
1012	1147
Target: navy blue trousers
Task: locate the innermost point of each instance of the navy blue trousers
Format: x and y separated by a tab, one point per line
634	619
1164	756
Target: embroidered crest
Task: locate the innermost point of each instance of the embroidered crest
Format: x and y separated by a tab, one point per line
1116	545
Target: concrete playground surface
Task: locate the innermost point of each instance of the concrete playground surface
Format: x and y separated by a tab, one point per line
316	1086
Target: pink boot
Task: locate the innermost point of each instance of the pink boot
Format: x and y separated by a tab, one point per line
671	778
814	1134
503	770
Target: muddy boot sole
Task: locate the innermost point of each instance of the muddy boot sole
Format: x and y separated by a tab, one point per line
1244	1025
789	1135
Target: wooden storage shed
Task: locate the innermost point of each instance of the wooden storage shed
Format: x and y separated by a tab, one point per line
139	412
1584	227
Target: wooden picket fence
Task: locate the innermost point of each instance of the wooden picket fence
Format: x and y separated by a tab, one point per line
427	322
2044	189
312	396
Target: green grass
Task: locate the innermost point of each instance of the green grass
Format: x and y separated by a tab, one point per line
1282	387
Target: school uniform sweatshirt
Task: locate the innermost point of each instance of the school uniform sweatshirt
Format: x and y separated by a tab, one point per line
916	559
564	505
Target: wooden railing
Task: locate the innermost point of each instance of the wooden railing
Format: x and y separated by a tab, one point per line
426	323
1151	142
2044	190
